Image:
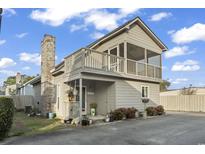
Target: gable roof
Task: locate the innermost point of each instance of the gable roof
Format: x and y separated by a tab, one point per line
125	27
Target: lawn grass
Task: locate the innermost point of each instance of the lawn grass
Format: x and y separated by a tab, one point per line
24	125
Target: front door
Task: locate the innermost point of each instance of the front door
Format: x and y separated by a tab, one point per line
84	99
113	59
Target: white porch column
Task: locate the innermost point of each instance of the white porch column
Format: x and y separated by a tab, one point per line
108	59
146	62
118	55
81	98
125	56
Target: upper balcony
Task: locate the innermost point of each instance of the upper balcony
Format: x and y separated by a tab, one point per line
109	64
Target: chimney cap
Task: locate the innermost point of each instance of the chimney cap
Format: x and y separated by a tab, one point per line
48	37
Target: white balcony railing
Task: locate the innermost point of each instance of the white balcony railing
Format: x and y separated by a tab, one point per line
102	61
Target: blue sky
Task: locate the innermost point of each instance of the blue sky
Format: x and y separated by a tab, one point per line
182	30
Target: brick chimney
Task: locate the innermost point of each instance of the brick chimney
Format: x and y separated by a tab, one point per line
18	78
47	64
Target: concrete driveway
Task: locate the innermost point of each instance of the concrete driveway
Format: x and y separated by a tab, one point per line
175	128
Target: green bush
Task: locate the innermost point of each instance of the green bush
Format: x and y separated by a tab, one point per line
151	111
160	110
6	116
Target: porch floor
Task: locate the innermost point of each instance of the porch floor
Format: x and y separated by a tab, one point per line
97	118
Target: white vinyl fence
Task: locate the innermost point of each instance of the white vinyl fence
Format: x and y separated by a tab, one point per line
188	103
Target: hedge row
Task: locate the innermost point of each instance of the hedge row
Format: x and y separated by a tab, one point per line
6	116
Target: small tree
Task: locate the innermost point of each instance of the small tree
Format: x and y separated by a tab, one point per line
188	91
164	85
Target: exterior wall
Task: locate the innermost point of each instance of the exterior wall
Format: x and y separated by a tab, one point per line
26	90
9	89
105	95
112	43
134	35
37	96
61	105
138	37
128	94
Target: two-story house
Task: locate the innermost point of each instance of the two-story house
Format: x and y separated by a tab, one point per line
115	71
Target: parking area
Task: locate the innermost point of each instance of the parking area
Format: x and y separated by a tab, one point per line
174	128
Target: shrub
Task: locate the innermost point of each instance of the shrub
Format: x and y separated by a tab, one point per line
121	113
116	115
151	111
131	113
6	116
160	110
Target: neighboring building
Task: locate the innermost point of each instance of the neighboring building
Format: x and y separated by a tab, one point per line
10	90
2	90
25	89
175	92
18	87
115	71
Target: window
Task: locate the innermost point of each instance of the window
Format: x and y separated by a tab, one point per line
135	53
121	47
153	58
145	92
113	51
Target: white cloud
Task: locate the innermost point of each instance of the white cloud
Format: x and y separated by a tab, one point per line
7	72
160	16
2	42
30	57
171	32
75	27
26	68
56	16
105	20
97	35
186	35
179	80
186	66
21	35
178	51
101	19
8	12
6	62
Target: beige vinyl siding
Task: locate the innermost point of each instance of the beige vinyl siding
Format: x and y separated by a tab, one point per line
105	97
112	43
37	95
135	35
128	94
63	110
138	37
